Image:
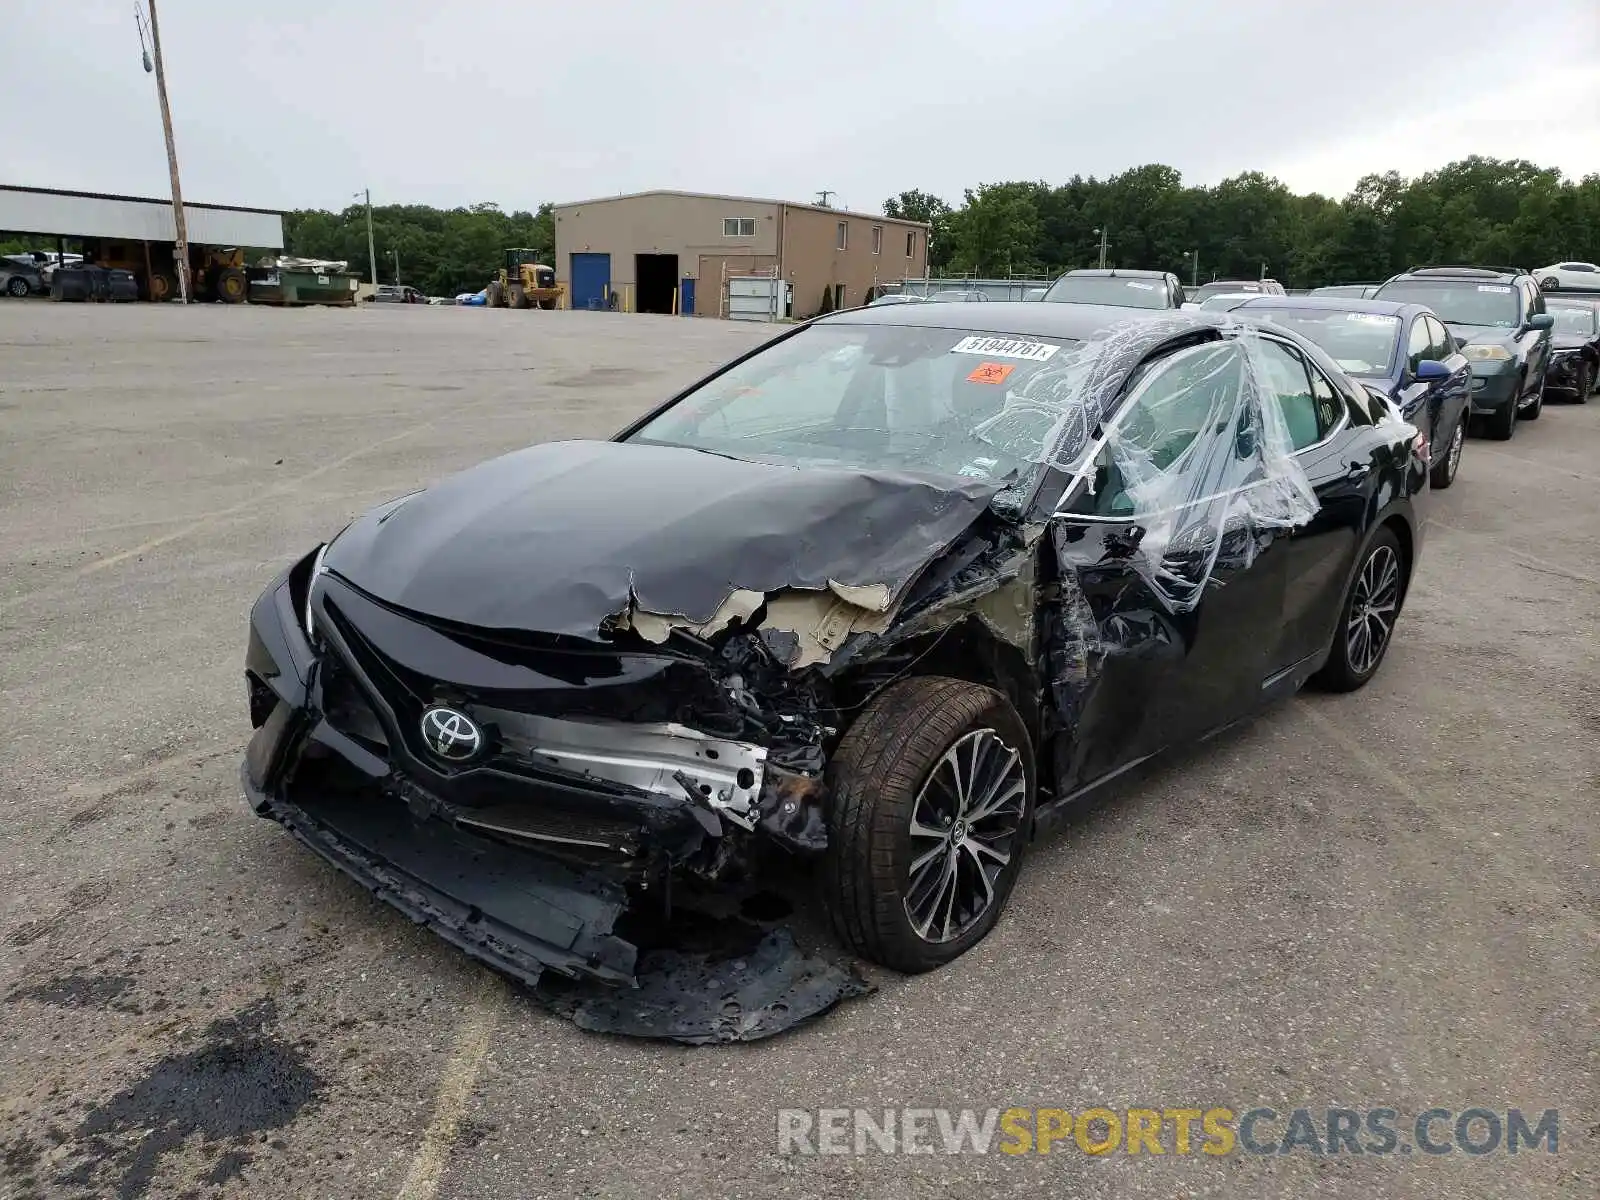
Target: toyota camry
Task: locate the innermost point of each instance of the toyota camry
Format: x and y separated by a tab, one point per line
867	606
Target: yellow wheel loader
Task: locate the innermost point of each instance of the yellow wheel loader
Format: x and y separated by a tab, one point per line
525	282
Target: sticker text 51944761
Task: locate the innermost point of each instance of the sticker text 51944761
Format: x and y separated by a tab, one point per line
1004	347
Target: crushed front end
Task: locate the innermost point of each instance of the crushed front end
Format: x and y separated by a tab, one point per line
528	797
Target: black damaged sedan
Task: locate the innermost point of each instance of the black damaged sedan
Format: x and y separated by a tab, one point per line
877	599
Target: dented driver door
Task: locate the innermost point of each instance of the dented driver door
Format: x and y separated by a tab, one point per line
1165	622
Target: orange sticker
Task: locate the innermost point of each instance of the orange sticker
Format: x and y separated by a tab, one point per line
990	373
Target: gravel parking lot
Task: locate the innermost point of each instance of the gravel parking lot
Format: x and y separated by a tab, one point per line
1384	899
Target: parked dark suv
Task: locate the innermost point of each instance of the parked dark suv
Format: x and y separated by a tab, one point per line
1498	318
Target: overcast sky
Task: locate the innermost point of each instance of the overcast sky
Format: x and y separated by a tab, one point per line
299	103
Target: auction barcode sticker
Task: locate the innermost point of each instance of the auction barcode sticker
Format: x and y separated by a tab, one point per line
999	347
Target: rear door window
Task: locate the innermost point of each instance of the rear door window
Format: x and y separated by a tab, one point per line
1310	404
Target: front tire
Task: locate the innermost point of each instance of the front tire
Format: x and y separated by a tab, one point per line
231	286
17	286
1501	425
933	790
1444	471
1549	283
1585	380
1367	619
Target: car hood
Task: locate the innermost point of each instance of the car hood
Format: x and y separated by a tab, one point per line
1569	342
1482	335
561	537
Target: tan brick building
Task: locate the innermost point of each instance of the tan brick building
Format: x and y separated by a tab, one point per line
665	251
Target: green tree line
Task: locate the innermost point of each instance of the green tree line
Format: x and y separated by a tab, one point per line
1478	210
442	251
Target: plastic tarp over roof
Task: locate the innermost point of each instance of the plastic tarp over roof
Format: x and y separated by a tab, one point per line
83	214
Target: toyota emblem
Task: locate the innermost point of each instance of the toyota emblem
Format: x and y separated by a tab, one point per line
451	734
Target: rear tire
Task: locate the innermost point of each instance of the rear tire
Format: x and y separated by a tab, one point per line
1366	621
1549	283
1444	471
1585	380
906	877
161	286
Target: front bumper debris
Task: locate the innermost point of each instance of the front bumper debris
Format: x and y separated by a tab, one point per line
1563	373
544	859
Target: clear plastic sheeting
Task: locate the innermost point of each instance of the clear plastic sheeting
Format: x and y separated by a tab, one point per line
1057	412
1202	460
1199	461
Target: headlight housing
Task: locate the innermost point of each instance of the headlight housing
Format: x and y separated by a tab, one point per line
316	569
1489	353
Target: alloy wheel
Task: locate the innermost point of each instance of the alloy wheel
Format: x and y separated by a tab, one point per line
1457	441
1374	604
965	823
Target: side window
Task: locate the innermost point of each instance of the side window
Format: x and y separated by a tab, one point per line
1328	404
1535	298
1440	344
1419	345
1289	381
1172	403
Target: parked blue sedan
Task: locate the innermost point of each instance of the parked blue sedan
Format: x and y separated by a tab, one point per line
1402	350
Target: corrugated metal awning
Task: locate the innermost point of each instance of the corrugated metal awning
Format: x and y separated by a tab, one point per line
51	213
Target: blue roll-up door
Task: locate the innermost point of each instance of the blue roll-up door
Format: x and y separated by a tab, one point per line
591	277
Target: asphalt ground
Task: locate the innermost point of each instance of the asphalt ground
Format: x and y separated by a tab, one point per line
1385	899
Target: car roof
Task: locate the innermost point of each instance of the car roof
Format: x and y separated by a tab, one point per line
1076	322
1114	273
1378	308
1500	273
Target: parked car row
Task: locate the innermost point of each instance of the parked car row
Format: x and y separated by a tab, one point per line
29	274
1450	346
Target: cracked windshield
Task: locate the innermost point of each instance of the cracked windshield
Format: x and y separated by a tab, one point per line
947	401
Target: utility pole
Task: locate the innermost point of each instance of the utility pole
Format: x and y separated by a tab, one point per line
181	251
822	198
372	253
1102	232
1194	257
396	254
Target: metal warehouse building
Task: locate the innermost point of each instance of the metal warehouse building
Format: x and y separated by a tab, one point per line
689	252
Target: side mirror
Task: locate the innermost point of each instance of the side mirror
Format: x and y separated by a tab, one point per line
1431	369
1541	321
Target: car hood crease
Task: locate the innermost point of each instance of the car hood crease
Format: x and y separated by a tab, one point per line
562	536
